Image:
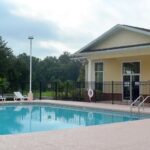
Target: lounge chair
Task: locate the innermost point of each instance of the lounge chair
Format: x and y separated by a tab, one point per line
2	98
19	96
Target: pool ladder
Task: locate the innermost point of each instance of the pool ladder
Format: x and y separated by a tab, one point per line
137	101
140	100
142	103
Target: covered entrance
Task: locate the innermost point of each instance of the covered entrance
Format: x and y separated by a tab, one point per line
131	79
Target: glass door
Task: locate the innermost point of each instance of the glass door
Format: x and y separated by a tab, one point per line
131	79
135	86
131	87
126	87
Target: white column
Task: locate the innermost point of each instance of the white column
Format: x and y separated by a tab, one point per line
89	72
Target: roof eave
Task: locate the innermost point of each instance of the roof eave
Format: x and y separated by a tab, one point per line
130	50
135	30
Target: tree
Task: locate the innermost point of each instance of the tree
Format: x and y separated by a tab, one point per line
3	83
6	57
69	68
65	58
15	69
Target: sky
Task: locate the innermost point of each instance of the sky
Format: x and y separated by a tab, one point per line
65	25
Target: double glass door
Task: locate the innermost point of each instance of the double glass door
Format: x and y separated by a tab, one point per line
131	79
131	87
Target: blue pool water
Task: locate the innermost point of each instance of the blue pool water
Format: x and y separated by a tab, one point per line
31	118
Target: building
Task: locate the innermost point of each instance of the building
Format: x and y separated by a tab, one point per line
119	58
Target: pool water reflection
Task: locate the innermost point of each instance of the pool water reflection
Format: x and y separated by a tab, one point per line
31	118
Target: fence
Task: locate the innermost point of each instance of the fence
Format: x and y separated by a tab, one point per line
111	91
23	87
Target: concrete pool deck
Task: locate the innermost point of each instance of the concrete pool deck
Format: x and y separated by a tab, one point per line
132	135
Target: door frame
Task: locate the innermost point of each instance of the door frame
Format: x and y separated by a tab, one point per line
139	74
130	85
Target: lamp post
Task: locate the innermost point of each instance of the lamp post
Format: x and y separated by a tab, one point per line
30	94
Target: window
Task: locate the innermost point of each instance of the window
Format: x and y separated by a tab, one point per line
98	66
131	68
99	76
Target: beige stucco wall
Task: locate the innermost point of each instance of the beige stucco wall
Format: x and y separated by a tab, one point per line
122	37
113	68
113	72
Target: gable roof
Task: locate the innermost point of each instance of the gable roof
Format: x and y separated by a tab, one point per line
112	30
138	28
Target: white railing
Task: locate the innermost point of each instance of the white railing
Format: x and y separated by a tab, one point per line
136	101
142	103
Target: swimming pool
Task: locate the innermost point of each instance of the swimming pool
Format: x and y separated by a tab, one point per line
25	118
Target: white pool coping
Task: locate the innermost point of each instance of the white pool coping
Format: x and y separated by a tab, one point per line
117	107
132	135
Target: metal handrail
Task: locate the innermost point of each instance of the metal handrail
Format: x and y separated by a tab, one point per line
142	103
137	99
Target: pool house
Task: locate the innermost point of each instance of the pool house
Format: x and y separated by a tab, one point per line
118	62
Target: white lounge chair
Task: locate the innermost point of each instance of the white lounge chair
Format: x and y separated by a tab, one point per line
2	98
19	96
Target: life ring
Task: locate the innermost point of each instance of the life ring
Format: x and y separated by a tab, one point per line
90	93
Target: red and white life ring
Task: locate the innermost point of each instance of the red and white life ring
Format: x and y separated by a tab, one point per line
90	93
